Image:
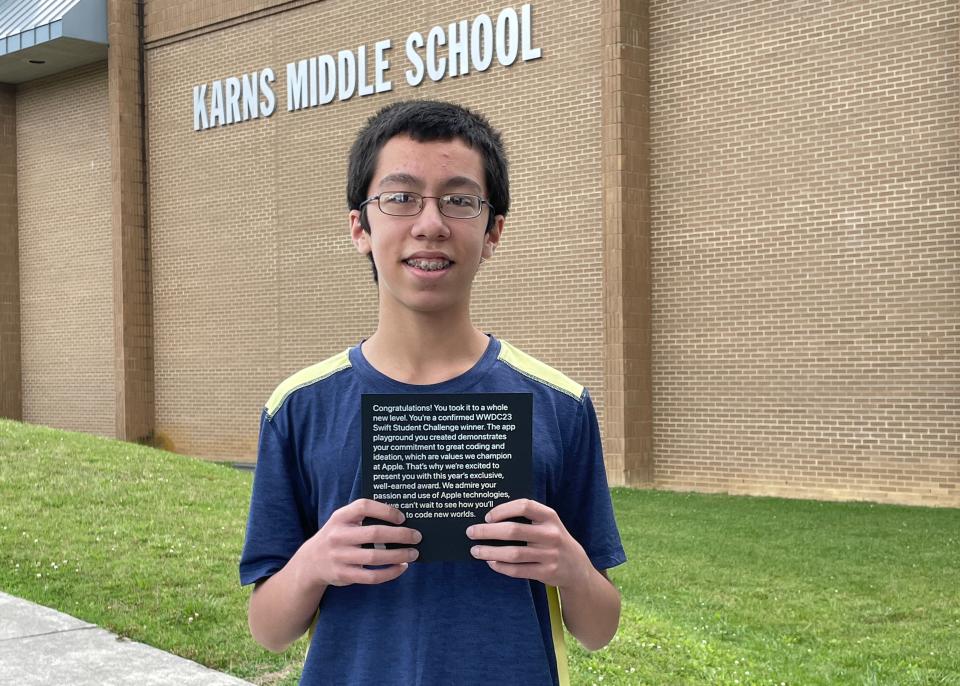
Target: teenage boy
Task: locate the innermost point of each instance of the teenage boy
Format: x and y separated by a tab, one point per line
427	192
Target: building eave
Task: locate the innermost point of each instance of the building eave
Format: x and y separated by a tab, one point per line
38	39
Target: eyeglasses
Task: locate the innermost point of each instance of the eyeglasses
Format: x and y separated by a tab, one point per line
406	204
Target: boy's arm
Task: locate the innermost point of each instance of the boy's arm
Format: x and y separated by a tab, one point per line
591	612
590	602
282	607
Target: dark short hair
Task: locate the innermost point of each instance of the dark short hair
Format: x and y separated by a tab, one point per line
426	121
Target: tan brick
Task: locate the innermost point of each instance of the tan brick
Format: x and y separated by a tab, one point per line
64	200
11	405
805	242
132	323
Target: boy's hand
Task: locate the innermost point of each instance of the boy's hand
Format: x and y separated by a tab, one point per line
334	556
551	554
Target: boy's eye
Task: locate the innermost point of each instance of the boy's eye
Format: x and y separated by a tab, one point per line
461	201
399	198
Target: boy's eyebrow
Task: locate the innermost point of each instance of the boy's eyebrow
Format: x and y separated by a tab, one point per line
400	179
461	181
408	180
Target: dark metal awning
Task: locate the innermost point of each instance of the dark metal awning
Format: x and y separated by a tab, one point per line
43	37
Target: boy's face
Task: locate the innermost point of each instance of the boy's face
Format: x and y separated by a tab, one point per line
426	262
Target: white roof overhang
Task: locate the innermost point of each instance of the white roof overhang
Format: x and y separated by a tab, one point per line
39	38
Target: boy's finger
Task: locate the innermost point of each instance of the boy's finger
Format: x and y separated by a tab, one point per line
521	571
364	507
513	554
503	531
376	557
377	576
523	507
378	533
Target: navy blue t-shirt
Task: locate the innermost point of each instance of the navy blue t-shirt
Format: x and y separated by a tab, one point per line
439	622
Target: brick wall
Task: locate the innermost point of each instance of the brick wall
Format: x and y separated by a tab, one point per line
625	151
63	183
132	322
10	402
254	272
805	176
164	19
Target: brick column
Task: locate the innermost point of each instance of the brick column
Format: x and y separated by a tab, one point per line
11	401
626	234
133	325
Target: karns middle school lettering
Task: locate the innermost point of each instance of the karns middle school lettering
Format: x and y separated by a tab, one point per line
443	51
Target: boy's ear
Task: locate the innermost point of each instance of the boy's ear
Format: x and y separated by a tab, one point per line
360	237
492	238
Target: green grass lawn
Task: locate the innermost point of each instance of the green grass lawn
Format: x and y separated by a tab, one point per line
718	590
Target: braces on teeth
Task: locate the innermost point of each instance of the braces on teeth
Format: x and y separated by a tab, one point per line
429	265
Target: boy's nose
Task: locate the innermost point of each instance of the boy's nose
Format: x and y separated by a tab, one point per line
430	223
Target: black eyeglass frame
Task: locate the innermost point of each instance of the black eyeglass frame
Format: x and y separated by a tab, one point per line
438	198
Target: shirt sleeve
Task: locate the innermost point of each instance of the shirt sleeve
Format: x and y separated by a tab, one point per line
279	520
585	506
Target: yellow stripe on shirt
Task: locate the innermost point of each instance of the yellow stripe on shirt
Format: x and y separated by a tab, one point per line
538	371
556	628
305	377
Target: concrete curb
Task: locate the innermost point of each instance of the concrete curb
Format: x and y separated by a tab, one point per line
42	647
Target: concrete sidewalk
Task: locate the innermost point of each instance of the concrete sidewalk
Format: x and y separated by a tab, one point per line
43	647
